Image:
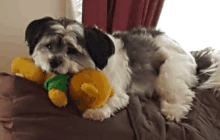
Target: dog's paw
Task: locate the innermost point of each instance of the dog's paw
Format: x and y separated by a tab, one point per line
95	114
174	111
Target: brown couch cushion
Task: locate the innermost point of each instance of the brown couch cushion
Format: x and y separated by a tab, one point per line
26	113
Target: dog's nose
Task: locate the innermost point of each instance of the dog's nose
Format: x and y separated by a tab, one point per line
55	62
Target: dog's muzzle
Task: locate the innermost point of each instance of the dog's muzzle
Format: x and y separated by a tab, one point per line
55	62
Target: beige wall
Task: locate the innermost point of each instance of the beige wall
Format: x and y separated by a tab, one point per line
15	15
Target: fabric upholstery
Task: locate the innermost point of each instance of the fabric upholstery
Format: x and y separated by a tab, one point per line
26	113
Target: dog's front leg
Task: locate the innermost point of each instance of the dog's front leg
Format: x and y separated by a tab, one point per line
173	85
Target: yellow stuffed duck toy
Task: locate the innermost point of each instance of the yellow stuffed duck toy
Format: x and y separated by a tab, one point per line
90	87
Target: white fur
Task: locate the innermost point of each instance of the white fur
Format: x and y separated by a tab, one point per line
118	73
42	60
72	40
68	37
177	76
59	28
69	29
75	28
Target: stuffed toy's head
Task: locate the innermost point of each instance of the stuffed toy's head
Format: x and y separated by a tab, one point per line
56	86
26	68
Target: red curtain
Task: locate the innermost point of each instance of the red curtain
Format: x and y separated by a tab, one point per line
112	15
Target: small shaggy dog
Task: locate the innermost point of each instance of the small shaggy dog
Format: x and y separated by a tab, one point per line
139	61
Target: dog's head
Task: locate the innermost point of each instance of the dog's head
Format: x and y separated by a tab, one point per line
65	46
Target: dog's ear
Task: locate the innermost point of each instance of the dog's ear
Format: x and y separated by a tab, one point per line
99	46
34	32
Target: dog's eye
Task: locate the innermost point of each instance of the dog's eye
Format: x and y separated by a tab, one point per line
72	51
48	46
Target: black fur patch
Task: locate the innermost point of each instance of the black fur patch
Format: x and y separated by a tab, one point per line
99	46
203	59
145	31
154	32
35	31
145	61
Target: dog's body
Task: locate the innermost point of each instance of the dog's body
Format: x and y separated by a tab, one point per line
136	61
